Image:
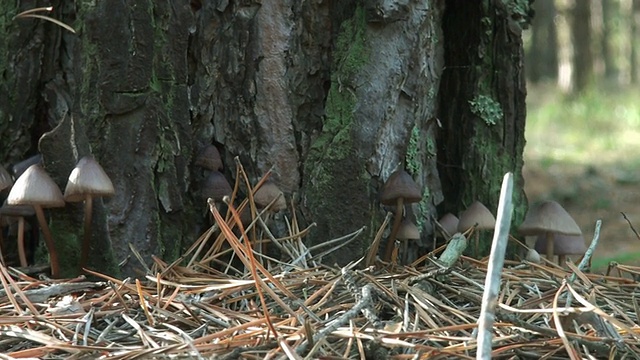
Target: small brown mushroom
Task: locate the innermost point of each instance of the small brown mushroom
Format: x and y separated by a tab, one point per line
23	165
215	186
267	193
86	181
449	225
533	256
20	212
209	158
408	231
399	189
548	218
35	187
479	216
563	245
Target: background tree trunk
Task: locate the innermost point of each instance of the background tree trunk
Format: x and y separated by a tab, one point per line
333	96
635	43
580	21
610	12
543	49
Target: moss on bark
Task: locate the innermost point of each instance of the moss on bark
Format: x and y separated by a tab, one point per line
337	186
482	101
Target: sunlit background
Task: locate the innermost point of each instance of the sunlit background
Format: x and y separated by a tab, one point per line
583	118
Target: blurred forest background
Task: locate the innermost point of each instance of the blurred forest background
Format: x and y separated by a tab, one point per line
583	117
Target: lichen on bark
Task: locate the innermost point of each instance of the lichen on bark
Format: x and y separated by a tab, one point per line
482	108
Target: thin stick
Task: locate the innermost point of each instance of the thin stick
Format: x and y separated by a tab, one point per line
585	258
375	244
630	224
494	269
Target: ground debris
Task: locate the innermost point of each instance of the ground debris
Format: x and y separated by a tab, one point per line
225	300
317	312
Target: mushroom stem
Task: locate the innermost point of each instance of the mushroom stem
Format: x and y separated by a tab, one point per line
88	212
562	259
549	236
394	230
404	256
21	251
48	239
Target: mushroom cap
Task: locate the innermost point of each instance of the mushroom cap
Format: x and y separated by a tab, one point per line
534	256
449	223
87	179
562	244
5	178
16	210
35	187
23	165
265	195
216	186
476	213
209	158
408	230
400	185
548	216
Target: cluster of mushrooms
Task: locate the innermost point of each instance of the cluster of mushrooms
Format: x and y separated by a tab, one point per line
401	189
216	186
34	190
555	231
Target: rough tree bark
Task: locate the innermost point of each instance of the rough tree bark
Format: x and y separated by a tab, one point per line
482	104
331	95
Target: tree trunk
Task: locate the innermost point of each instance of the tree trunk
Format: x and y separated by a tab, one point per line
581	39
333	96
609	15
482	105
542	53
635	43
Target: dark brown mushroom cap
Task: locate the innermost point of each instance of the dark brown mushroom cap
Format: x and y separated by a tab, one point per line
548	216
16	210
87	178
216	186
265	195
476	213
23	165
562	244
408	231
449	223
5	178
35	187
400	185
209	158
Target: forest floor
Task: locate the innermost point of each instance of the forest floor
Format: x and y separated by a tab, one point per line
584	152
